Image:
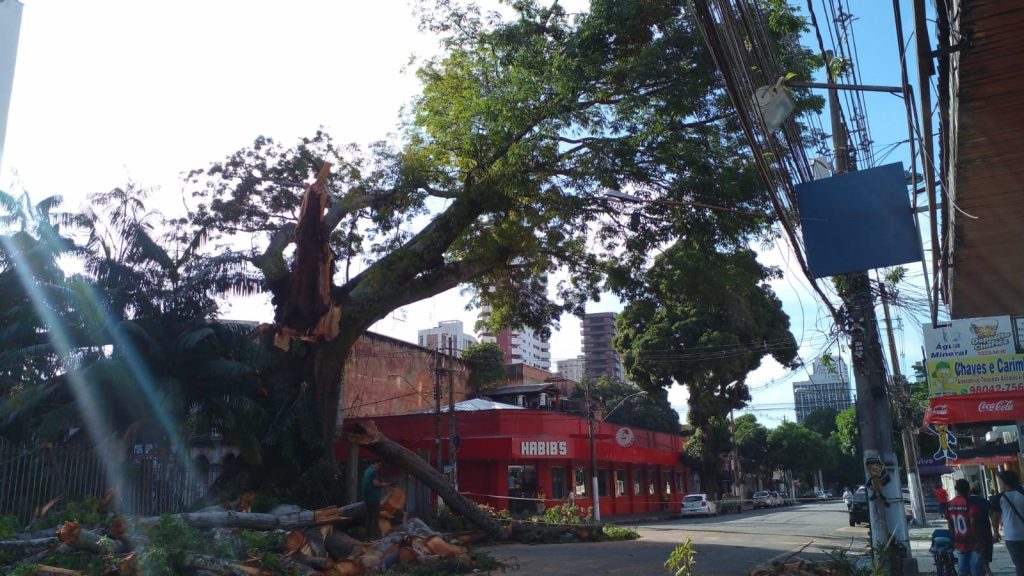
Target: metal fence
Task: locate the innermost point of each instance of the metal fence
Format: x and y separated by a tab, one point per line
144	484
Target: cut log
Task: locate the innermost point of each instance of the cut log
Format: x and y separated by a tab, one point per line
55	571
339	544
24	546
222	567
73	535
260	521
368	436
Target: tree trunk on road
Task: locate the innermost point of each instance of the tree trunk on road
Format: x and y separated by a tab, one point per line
369	437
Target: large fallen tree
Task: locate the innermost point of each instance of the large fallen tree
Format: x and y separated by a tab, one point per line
367	435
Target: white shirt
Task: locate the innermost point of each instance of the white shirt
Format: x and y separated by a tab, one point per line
1013	526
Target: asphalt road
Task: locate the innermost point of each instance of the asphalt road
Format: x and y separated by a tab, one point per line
726	545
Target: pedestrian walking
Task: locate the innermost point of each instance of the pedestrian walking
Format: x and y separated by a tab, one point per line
1007	510
372	485
965	518
847	497
983	529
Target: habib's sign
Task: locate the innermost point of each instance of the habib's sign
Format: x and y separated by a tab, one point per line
528	448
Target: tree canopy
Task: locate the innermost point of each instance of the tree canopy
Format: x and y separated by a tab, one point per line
705	319
648	411
487	362
822	421
501	172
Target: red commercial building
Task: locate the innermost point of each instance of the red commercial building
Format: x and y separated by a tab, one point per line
512	458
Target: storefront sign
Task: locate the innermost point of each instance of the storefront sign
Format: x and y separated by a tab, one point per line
541	448
975	408
972	356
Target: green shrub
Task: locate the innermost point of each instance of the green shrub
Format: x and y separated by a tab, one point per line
567	513
681	561
613	532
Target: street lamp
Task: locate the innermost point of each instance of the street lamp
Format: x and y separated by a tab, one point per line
593	445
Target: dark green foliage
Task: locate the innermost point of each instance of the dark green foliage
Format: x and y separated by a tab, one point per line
704	318
794	447
822	421
651	411
487	361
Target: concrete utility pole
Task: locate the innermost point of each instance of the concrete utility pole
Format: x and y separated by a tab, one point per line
909	442
888	525
593	453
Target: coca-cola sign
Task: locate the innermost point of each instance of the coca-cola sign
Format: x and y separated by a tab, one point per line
940	410
1000	406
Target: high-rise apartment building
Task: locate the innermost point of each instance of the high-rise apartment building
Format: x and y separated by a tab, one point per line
521	346
573	368
829	387
447	334
601	359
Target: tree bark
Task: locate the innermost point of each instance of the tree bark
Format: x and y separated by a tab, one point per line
369	437
258	521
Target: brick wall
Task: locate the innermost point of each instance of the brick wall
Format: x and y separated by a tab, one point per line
385	376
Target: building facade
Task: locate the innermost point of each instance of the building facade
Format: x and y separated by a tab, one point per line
519	460
573	368
521	346
829	387
447	335
600	357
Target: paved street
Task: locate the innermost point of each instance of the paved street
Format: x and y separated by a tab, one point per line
727	545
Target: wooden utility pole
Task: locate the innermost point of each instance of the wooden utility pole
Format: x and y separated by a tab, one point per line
888	525
452	448
437	408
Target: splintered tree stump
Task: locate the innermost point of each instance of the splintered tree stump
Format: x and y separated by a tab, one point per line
368	436
73	535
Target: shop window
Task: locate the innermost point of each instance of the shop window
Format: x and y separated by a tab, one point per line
522	487
620	482
558	482
637	488
602	482
652	483
580	482
680	483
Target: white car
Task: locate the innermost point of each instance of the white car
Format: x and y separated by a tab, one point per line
698	505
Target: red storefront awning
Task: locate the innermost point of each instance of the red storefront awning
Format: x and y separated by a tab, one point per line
970	408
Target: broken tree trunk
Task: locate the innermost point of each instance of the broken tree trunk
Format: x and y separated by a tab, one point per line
367	436
73	535
258	521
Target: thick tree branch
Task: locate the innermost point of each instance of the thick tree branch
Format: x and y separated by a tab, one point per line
272	262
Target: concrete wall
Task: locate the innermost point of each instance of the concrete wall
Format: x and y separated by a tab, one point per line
385	376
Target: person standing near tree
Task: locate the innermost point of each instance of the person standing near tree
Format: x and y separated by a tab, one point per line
372	485
1008	512
964	517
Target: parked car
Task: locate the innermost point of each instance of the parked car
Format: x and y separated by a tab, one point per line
859	507
763	499
779	499
698	505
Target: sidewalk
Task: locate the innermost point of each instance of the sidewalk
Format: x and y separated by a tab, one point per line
921	541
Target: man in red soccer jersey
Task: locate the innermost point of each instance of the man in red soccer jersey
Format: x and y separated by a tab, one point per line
964	518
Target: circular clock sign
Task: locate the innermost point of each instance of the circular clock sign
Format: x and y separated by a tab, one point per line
624	437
